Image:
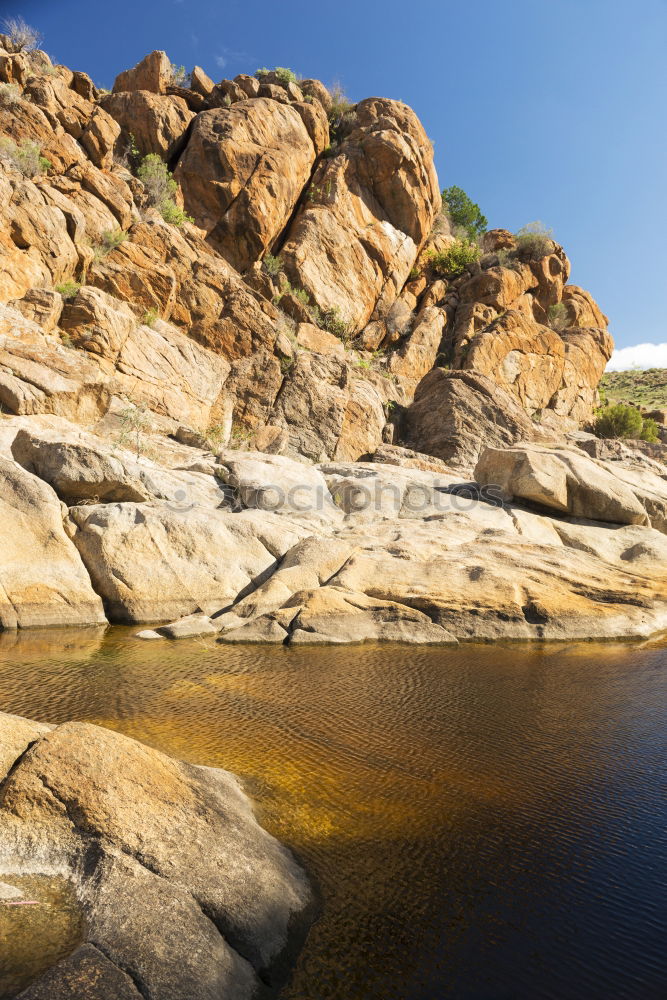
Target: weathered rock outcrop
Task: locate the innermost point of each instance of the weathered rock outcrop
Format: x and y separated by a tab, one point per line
369	209
182	892
561	480
153	73
156	123
243	172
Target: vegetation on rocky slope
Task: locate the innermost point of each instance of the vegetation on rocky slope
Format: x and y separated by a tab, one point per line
641	388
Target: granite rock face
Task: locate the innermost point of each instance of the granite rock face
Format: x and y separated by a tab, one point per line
266	423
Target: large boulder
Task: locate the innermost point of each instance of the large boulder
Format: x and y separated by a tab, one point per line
472	569
455	413
157	562
328	410
566	481
82	468
42	578
183	892
520	581
242	173
543	340
156	122
153	73
587	352
39	375
522	356
369	209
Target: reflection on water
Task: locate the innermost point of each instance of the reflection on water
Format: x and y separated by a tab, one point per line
40	922
485	823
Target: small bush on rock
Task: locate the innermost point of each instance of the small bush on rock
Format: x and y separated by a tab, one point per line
535	240
135	424
161	189
178	76
10	95
272	265
22	37
557	315
619	421
68	289
174	215
465	214
284	74
342	118
149	318
26	156
111	239
454	259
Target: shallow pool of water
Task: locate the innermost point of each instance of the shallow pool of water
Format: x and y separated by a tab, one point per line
40	923
484	823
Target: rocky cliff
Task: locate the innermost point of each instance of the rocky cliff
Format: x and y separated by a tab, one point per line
275	320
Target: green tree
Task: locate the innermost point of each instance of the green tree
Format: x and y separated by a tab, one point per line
464	213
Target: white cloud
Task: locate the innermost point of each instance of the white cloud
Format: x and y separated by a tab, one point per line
640	356
221	61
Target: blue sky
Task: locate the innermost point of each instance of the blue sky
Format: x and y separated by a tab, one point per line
540	110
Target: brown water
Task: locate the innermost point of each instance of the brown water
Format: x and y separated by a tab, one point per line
484	823
40	922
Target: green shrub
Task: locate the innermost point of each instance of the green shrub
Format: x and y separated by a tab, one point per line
26	156
149	317
158	183
178	76
558	316
342	118
284	74
216	435
68	289
465	215
135	424
10	95
22	37
272	265
454	259
649	431
161	189
331	321
173	214
111	239
619	421
535	240
334	323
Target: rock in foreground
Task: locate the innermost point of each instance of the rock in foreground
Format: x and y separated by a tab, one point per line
183	894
